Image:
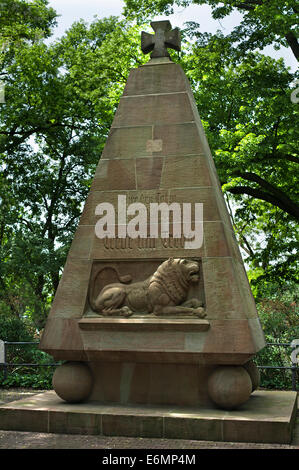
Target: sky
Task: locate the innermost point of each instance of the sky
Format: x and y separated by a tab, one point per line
73	10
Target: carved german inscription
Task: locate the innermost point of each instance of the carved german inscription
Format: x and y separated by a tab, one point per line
143	243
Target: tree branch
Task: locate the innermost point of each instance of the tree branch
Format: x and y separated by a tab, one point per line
292	40
247	246
249	176
277	156
292	209
249	4
290	158
243	6
293	43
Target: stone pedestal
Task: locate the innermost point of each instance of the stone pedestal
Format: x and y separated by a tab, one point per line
156	152
268	417
158	332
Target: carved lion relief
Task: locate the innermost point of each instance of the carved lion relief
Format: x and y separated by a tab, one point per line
164	293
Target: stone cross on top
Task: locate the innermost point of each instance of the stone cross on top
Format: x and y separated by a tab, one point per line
164	38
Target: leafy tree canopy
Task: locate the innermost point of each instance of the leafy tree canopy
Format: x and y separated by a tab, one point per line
245	105
59	104
264	21
26	19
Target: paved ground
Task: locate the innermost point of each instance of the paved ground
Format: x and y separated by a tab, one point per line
34	440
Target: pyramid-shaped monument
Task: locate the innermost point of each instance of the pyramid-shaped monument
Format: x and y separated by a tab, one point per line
142	314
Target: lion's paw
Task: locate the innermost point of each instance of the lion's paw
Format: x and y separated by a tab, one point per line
200	312
126	312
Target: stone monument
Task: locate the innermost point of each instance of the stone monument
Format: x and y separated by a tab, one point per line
153	317
144	315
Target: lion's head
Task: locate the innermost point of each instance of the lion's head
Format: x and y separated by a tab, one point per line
175	275
189	269
184	268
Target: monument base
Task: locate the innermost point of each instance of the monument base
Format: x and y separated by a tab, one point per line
267	417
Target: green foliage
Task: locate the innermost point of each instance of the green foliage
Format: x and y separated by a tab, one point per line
263	23
23	20
21	23
279	318
60	102
279	315
41	379
28	376
15	329
245	106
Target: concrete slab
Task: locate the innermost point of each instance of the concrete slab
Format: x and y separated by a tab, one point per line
268	417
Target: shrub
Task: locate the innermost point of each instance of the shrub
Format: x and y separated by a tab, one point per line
37	379
16	330
280	321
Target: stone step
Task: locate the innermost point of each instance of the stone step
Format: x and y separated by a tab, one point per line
268	417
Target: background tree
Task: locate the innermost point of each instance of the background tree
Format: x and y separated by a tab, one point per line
249	119
264	22
60	101
21	19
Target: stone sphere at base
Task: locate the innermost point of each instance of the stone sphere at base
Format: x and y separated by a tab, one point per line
254	373
229	386
73	382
